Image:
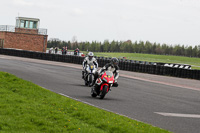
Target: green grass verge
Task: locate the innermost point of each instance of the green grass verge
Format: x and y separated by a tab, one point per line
195	62
26	107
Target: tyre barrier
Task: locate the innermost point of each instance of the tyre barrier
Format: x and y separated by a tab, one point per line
175	70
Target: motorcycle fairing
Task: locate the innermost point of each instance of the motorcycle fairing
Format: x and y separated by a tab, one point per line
103	86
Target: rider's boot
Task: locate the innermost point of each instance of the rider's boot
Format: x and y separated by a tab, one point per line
115	84
96	89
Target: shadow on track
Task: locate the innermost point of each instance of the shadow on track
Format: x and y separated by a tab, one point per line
97	98
81	85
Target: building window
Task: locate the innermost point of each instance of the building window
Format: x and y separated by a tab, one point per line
28	24
35	24
22	24
31	25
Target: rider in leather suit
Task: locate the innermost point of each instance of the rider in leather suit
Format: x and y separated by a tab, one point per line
113	67
89	59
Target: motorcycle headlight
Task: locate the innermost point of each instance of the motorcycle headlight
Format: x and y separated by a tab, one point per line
111	82
91	67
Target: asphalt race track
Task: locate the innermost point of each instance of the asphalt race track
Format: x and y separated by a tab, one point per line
166	102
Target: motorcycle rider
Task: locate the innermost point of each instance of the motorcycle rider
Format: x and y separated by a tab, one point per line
89	59
113	67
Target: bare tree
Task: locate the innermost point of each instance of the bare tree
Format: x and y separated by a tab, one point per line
74	42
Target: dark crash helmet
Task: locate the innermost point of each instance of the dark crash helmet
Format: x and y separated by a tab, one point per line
114	61
90	55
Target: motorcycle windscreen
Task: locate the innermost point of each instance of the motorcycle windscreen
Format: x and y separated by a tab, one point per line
91	65
110	77
109	74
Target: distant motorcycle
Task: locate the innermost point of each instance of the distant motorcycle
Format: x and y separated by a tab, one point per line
104	83
89	75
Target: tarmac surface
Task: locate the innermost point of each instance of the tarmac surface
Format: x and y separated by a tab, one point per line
167	102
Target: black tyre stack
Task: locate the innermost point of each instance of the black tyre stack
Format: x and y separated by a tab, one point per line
128	65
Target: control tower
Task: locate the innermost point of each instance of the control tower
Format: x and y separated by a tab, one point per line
25	35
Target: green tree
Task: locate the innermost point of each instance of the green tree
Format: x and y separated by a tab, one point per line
122	47
158	49
189	51
98	46
88	46
93	46
106	46
148	47
113	46
198	54
141	47
177	50
195	51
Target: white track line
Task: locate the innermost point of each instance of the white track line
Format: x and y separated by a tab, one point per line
178	115
95	106
159	82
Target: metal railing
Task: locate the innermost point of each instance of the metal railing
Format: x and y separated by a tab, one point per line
42	31
7	28
10	28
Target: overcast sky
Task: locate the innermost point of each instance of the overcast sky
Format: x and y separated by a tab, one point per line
161	21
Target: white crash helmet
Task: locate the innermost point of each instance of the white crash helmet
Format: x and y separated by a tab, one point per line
90	55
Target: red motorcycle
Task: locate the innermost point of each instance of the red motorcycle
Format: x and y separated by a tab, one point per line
103	85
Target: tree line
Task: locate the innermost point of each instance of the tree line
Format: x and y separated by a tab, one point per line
128	47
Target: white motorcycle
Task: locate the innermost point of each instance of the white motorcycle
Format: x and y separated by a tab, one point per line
89	74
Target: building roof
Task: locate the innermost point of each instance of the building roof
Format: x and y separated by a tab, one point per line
26	18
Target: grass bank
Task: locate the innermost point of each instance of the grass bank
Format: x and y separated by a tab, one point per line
195	62
26	107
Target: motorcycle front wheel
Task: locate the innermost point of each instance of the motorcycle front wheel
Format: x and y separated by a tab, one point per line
103	92
91	80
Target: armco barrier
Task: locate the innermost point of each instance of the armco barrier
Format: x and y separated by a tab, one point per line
176	70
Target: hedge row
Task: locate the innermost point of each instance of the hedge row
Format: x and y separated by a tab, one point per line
128	65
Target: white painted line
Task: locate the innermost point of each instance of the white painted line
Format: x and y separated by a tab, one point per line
97	106
160	82
178	115
80	100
